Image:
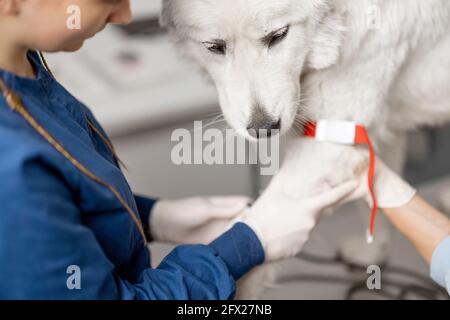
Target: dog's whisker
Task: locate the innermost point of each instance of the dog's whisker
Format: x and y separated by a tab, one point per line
216	122
217	117
220	116
213	123
301	121
305	100
212	118
297	127
213	114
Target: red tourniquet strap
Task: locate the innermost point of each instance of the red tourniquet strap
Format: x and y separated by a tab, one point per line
310	130
361	137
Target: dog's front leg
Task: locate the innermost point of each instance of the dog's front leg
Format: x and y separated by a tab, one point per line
357	91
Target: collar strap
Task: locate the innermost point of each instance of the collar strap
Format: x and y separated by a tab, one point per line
349	133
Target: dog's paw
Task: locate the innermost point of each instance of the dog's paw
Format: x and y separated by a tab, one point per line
312	166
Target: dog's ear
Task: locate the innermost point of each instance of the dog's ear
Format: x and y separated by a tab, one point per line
327	41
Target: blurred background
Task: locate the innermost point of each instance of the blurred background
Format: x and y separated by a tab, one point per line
141	90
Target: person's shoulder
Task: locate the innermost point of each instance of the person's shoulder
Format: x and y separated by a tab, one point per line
18	140
12	125
28	164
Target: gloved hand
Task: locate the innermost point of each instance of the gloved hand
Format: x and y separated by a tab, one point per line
391	191
283	223
194	220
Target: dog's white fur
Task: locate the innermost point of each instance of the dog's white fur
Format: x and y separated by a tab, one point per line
332	65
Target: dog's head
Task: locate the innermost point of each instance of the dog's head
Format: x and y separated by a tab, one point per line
255	51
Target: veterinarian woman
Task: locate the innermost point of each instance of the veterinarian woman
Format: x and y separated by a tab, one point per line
70	228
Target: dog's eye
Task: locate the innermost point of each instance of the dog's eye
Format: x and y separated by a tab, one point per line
217	47
275	37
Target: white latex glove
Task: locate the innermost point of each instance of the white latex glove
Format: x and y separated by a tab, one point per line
283	223
194	220
391	191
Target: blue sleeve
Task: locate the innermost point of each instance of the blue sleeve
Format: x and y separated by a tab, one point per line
440	264
41	235
144	206
240	249
202	272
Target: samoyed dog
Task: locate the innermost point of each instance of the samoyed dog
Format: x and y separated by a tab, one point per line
384	64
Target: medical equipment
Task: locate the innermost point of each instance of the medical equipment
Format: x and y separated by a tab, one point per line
349	133
398	283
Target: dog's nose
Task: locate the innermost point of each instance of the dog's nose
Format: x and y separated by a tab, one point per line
263	127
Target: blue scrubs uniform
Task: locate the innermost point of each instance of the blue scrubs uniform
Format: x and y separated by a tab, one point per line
53	216
440	264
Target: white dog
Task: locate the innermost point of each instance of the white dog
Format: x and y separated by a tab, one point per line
384	64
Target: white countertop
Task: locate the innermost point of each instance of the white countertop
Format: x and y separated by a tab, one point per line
155	87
